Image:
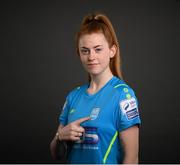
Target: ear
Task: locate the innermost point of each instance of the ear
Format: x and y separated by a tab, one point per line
113	50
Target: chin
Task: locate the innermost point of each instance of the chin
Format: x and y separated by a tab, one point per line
94	72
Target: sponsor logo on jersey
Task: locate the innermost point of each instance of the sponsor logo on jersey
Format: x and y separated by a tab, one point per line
132	113
94	113
90	136
128	105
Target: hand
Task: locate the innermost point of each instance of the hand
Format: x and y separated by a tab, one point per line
73	131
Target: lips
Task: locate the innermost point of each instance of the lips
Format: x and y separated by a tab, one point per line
92	64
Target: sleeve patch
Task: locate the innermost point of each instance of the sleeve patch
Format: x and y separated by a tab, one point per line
129	108
132	113
128	105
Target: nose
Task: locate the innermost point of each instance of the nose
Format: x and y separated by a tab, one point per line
91	55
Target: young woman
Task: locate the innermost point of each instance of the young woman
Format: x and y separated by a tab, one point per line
101	117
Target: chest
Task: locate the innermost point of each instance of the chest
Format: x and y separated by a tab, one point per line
100	108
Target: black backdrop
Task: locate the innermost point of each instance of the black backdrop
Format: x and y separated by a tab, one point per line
39	67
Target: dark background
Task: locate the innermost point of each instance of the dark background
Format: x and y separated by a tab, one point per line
39	66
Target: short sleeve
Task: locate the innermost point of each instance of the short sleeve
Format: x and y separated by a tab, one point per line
127	111
69	102
64	114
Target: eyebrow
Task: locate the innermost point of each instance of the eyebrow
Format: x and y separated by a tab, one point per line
93	47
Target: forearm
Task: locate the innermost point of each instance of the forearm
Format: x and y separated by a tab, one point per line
130	144
57	135
130	159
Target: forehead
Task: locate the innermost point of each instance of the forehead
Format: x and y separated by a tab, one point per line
91	40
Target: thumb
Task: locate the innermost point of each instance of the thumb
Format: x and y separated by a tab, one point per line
81	120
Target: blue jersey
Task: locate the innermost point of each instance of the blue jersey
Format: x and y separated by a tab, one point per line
112	109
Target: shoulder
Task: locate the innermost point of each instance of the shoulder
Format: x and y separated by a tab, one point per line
127	100
75	91
122	89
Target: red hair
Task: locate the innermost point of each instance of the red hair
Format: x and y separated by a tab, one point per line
100	23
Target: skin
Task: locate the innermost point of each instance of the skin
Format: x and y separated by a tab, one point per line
95	55
72	132
130	141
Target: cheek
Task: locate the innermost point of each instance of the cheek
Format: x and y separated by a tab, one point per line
106	61
82	58
105	58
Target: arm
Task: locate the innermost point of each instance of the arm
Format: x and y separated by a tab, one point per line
130	142
53	143
73	131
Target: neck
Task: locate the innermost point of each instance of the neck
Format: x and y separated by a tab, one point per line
98	81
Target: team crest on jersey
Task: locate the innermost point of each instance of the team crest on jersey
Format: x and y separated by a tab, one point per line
94	113
129	108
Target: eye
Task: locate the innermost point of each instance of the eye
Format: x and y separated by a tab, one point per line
84	51
98	50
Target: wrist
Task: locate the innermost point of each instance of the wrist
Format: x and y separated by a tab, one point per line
58	136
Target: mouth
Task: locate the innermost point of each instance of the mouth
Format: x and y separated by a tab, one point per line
94	64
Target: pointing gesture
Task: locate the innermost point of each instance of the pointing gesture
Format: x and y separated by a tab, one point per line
73	131
81	120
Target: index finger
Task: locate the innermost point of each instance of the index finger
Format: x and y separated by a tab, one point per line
81	120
